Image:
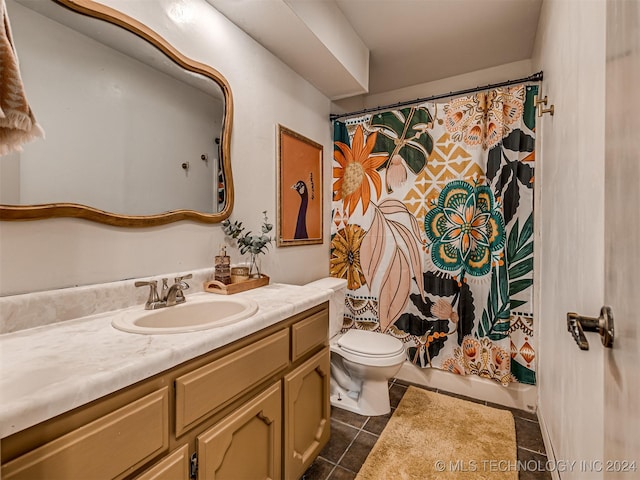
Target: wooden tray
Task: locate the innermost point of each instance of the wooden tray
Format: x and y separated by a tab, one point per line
214	286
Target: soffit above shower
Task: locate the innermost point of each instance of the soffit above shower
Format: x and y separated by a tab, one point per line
312	38
350	47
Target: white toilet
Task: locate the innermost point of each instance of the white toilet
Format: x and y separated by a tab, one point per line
362	362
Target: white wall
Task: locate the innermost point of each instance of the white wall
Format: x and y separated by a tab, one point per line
622	231
570	48
9	172
56	253
331	27
500	73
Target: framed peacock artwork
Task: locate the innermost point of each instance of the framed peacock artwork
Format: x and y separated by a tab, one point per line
299	189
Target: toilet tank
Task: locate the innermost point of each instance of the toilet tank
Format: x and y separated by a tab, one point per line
338	288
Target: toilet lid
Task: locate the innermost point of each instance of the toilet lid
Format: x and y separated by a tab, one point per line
370	343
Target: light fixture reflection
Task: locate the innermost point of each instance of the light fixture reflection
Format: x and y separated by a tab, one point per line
181	12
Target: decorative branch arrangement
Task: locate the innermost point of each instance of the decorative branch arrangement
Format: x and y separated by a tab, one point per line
254	245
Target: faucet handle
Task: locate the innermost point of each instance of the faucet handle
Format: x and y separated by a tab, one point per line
184	277
153	299
165	289
151	283
181	280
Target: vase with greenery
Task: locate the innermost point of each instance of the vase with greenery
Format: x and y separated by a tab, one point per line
254	245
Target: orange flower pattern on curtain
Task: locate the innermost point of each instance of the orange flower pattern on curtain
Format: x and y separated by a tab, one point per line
357	167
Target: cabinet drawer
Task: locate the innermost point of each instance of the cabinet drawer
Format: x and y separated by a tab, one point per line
105	448
173	467
205	390
309	333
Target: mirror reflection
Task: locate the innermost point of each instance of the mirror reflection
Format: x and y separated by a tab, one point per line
128	131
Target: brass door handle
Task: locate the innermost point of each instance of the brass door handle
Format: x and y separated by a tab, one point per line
578	324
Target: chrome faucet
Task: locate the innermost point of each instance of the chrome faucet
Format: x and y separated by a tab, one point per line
169	296
175	293
153	301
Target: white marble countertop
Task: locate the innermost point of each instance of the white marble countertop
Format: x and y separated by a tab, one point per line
49	370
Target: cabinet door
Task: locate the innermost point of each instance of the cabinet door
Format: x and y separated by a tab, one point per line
130	436
173	467
247	443
307	414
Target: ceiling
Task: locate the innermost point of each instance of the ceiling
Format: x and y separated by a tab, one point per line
408	41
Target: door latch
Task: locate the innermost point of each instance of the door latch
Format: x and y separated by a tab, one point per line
578	324
193	466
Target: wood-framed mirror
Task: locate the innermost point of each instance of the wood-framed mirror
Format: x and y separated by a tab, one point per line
164	155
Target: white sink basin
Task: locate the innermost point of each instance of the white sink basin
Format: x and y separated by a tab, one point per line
197	313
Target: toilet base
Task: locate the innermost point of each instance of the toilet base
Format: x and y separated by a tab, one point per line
372	400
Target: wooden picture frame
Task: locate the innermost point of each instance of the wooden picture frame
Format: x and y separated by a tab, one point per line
299	190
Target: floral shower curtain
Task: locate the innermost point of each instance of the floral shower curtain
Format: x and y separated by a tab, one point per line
433	230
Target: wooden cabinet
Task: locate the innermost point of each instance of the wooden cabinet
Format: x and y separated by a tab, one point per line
247	443
206	389
108	447
257	408
308	334
175	466
307	410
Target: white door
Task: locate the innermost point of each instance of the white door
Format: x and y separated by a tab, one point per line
622	240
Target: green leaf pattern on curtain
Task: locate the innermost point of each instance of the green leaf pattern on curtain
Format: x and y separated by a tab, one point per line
496	317
404	135
520	260
441	257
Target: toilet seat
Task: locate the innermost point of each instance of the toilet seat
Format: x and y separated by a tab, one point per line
370	344
369	348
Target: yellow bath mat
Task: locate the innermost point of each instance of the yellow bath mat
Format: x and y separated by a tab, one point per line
436	437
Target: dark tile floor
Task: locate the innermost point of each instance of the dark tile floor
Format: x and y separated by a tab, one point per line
353	436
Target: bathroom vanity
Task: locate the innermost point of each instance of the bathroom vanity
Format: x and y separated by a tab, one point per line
179	406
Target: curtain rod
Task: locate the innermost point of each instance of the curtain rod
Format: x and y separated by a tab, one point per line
531	78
